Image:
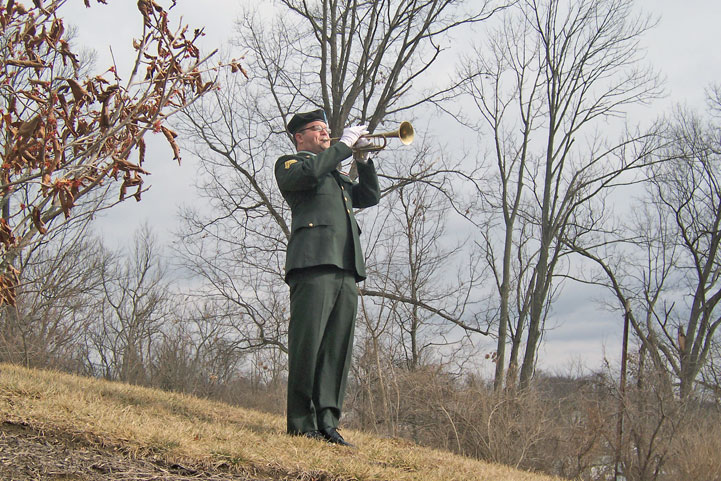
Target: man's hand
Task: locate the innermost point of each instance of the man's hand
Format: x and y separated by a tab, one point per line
352	134
359	154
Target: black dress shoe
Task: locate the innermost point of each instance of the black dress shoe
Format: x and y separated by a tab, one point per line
332	436
317	435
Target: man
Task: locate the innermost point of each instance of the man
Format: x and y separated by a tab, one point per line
324	261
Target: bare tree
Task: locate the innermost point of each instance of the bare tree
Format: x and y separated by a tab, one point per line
134	307
195	354
358	61
669	273
359	58
422	277
711	372
59	286
552	74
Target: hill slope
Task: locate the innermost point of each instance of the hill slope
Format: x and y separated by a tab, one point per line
59	426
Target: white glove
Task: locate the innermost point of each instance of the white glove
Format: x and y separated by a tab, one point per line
362	143
352	134
359	154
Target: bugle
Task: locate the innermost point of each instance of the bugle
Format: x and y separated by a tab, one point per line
404	133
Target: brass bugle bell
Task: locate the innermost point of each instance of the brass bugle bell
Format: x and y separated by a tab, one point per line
404	133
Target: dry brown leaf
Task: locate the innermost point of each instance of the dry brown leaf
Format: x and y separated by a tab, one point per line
38	222
170	135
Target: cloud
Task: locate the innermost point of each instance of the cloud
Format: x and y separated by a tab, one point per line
682	46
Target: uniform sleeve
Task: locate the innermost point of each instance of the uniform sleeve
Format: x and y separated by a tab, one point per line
302	172
366	193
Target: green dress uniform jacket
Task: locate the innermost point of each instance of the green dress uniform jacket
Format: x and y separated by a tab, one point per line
324	260
321	201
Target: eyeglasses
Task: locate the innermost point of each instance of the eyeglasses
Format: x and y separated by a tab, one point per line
316	128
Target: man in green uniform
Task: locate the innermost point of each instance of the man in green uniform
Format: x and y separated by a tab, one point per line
324	261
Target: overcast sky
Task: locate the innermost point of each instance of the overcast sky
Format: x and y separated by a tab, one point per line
683	46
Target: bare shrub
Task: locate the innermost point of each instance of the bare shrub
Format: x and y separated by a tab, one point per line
651	414
407	403
537	428
695	448
501	427
199	355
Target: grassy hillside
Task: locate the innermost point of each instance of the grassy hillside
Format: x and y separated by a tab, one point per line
179	430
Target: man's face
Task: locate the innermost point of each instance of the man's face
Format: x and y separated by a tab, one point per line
313	137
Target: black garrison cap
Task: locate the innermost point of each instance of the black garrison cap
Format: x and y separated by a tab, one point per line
301	119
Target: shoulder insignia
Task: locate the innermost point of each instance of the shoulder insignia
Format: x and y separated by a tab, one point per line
290	162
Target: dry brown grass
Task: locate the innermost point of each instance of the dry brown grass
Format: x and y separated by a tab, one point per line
182	429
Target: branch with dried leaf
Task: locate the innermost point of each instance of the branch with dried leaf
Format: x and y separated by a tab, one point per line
67	137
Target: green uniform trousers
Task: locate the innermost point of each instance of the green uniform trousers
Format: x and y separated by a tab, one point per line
323	305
